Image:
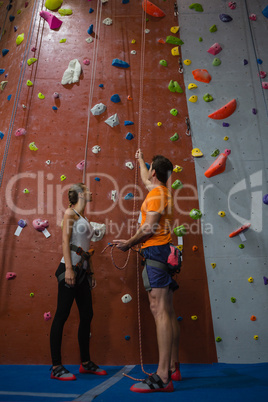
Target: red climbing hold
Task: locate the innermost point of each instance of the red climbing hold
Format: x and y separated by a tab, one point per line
201	75
219	165
224	111
152	9
241	229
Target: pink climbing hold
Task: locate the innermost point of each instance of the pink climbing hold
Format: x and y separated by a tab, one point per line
47	316
20	131
53	22
253	17
11	275
86	62
232	5
264	85
262	74
201	75
40	224
215	49
81	165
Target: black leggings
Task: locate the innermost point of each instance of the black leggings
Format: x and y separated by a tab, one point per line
66	295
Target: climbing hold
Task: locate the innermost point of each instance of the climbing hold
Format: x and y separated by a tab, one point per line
115	98
126	298
11	275
72	74
245	62
194	317
29	83
197	7
41	96
232	5
97	179
147	31
215	153
127	337
180	230
129	165
265	280
31	294
201	75
129	98
9	97
3	84
96	149
241	246
48	162
101	86
179	318
173	40
239	230
112	121
98	109
81	165
174	112
224	111
33	49
113	195
265	199
175	51
91	10
128	123
262	74
53	4
221	213
162	41
52	20
174	29
196	152
233	299
63	177
253	318
226	138
56	95
133	41
225	124
213	28
208	98
54	108
215	49
47	316
250	279
200	39
195	213
187	62
2	70
152	9
259	61
174	86
218	339
1	135
216	62
89	40
120	63
65	11
40	224
253	17
177	169
20	38
265	12
20	131
33	147
225	18
133	52
159	124
129	136
195	248
129	196
163	63
90	29
213	264
256	337
264	85
219	165
86	62
177	184
63	40
193	98
174	137
31	61
11	18
192	86
107	21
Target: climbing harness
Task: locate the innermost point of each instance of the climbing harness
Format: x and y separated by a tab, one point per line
187	122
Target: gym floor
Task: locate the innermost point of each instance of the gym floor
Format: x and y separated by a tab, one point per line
201	382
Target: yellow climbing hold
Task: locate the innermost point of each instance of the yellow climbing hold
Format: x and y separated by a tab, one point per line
251	280
175	51
159	124
133	41
20	38
31	61
174	29
226	138
194	317
65	11
196	152
180	247
63	177
19	11
177	169
3	84
256	337
33	147
53	4
187	62
192	86
221	213
62	40
29	83
193	98
213	264
41	96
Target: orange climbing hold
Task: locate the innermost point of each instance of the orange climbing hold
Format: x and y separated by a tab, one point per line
152	9
161	40
241	229
219	165
201	75
224	111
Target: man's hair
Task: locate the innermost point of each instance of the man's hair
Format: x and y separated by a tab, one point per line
163	168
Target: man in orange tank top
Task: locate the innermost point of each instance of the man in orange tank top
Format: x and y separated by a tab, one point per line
155	236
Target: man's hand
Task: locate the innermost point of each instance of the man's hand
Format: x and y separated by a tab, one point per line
139	154
122	244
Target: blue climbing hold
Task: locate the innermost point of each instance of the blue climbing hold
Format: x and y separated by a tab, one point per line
225	124
11	18
127	337
115	98
125	1
129	136
147	165
2	70
90	29
54	108
128	123
265	12
101	85
9	97
5	51
9	6
91	10
179	318
225	18
120	63
97	178
245	62
129	196
259	61
1	135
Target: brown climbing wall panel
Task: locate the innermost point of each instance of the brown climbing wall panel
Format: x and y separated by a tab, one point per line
60	137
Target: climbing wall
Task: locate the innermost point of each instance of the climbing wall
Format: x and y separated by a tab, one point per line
237	283
35	180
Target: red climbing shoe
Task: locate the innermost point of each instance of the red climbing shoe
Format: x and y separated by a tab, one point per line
91	368
61	373
152	384
176	375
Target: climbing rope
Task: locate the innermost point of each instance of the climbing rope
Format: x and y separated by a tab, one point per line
19	87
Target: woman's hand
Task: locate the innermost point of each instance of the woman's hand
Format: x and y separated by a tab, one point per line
93	282
70	277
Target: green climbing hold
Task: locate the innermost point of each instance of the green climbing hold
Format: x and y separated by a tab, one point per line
63	40
174	137
31	61
208	98
213	28
216	152
241	246
174	86
41	96
174	41
196	7
174	112
200	39
20	38
65	11
177	184
180	230
53	4
216	62
195	213
29	83
233	299
163	63
218	339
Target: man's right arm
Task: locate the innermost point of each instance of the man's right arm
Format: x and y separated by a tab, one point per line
143	171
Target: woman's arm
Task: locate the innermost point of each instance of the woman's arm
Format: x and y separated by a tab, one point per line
67	229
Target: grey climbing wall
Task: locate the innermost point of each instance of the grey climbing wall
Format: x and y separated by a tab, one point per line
239	190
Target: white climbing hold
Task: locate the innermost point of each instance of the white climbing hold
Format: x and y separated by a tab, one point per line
98	109
96	149
147	30
99	231
126	298
107	21
112	121
130	165
72	74
89	39
133	52
113	195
